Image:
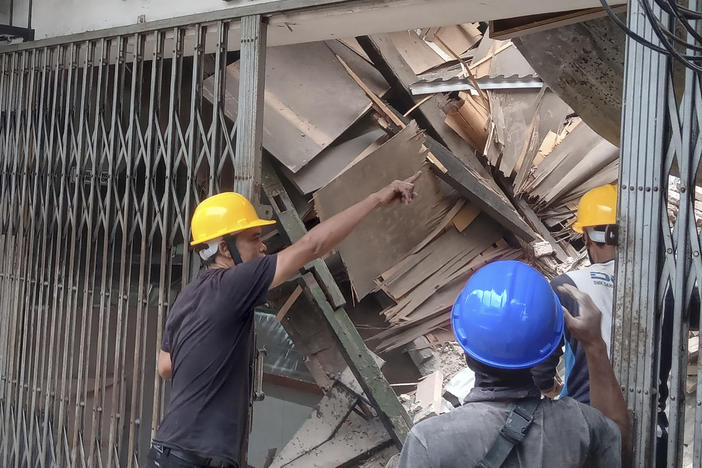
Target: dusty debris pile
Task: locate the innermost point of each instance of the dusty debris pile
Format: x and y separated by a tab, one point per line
504	163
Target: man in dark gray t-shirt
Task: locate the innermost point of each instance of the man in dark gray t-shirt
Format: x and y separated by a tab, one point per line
208	343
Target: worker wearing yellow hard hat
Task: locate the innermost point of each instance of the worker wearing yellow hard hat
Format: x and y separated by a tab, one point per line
597	211
218	219
596	219
208	341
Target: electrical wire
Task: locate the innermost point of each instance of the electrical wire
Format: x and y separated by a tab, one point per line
670	42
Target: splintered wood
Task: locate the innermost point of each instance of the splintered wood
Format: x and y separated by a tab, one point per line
426	283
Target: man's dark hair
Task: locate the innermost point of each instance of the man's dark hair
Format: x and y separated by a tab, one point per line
488	376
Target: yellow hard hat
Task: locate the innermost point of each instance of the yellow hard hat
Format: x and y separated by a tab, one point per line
597	207
222	214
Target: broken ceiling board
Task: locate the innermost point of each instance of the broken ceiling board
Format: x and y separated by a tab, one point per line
508	28
430	113
441	227
485	53
389	233
589	164
412	333
472	186
510	62
310	100
334	159
466	216
513	113
417	53
470	117
564	158
457	39
453	252
451	244
353	44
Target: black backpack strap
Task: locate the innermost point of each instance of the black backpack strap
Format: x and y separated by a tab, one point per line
512	433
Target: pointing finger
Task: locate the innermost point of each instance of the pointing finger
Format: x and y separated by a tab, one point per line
414	177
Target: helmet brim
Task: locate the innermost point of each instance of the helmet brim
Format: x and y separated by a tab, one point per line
253	224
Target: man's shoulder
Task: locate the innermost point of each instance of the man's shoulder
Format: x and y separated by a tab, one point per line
257	264
562	279
593	417
471	416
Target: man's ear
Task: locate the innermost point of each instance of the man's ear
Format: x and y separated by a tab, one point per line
588	241
224	249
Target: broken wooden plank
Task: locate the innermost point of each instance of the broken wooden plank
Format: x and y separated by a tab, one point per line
515	27
430	115
469	118
533	219
473	187
466	216
429	395
288	304
371	95
455	40
417	53
441	227
447	247
335	158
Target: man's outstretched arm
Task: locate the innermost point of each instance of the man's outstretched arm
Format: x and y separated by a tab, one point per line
325	236
605	394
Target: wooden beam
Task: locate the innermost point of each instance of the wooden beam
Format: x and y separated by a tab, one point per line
470	185
514	27
318	287
288	304
387	59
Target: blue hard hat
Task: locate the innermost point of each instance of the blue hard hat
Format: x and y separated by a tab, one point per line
507	316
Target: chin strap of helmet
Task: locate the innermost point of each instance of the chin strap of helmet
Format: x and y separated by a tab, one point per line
231	243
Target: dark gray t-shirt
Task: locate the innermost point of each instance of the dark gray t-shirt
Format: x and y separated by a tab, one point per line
210	335
564	434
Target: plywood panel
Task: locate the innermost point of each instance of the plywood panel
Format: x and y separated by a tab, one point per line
389	233
334	159
310	100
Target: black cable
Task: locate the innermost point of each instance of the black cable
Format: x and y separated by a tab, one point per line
680	41
690	13
668	48
685	12
613	16
676	12
656	26
657	29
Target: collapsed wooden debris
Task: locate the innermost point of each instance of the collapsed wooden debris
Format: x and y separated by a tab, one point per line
503	170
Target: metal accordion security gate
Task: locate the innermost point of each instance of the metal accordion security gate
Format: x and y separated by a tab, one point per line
106	146
658	258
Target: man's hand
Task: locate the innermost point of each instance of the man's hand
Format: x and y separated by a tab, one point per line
398	190
586	327
328	234
605	393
